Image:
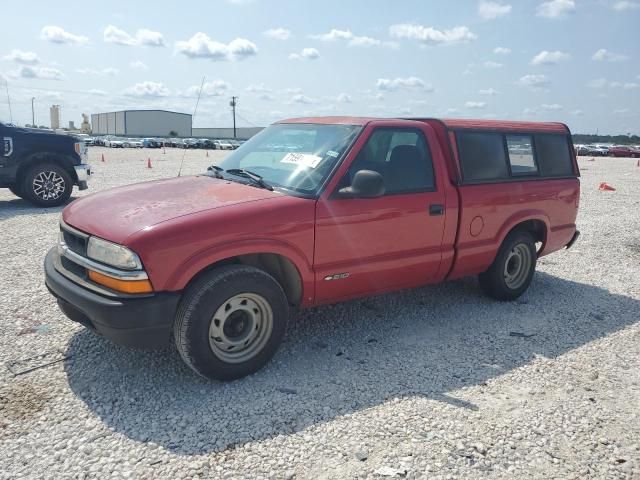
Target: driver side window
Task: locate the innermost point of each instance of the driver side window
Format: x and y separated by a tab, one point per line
401	156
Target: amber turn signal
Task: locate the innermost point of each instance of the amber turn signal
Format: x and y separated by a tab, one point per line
124	286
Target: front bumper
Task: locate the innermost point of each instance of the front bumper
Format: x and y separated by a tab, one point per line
83	172
142	322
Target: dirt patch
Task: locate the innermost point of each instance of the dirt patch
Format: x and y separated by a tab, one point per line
20	401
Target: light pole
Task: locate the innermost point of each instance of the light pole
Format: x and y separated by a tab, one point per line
233	103
33	114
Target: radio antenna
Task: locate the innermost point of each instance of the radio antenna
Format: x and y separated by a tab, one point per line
6	84
192	118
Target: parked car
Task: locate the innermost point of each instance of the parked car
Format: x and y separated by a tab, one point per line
600	150
624	151
222	145
132	143
150	143
369	207
114	142
41	166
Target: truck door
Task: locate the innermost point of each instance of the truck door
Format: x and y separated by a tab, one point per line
369	245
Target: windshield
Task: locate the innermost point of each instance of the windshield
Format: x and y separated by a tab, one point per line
293	156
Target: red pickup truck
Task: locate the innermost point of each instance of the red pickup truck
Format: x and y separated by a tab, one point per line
313	211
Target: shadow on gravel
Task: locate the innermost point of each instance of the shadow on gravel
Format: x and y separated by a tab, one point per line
342	359
17	207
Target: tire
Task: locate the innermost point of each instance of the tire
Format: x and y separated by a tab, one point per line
47	185
15	189
511	272
233	306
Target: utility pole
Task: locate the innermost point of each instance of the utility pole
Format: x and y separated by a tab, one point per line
33	114
233	104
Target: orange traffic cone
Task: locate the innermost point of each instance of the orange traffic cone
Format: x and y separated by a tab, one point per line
604	186
103	157
149	163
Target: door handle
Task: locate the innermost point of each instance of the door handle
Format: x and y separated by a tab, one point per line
436	209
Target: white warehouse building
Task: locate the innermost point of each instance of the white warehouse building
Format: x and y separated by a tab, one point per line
142	123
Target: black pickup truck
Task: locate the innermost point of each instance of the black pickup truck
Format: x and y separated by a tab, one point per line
42	166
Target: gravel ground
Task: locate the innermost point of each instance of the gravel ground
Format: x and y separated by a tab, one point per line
436	382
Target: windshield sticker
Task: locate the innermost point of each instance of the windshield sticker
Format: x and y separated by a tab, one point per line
333	154
302	159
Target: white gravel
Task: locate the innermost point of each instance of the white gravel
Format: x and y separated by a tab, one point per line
427	383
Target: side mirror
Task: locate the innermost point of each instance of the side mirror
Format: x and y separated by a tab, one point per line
365	184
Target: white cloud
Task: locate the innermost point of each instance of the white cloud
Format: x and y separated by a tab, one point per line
258	88
491	10
577	113
631	85
603	55
22	57
534	81
354	40
139	65
475	105
556	8
600	83
404	83
149	38
110	71
43	73
55	34
214	88
95	91
344	98
623	5
300	98
305	54
148	89
113	34
489	91
202	46
550	58
490	64
278	33
502	51
432	36
552	106
620	111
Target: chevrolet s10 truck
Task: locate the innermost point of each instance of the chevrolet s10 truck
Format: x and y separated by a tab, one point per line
312	211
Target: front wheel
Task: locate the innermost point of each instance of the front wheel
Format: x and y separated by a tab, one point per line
47	185
511	272
230	322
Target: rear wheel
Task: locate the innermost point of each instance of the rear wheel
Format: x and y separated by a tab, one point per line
511	272
230	322
47	185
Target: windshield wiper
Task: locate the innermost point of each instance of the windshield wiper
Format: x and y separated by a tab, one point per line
257	179
216	171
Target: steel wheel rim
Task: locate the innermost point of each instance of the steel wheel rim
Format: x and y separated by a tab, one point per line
240	328
517	266
48	185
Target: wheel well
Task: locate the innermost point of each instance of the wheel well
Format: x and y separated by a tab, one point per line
45	157
278	266
536	228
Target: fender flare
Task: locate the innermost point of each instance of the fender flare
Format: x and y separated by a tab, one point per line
520	217
203	259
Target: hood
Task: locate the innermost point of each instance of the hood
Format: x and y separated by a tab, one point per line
117	213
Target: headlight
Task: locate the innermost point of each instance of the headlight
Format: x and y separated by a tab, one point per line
112	254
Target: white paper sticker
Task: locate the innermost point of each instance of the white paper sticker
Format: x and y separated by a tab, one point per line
333	154
302	159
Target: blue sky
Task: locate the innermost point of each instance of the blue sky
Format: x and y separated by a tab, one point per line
576	61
